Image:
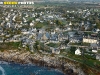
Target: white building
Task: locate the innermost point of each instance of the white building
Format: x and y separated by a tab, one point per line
70	23
88	40
31	24
78	52
98	57
94	51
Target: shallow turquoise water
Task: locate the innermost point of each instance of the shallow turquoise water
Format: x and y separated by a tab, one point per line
18	69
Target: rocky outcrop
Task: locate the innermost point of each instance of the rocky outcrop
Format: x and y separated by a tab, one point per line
24	57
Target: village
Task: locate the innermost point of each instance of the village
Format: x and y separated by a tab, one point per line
72	33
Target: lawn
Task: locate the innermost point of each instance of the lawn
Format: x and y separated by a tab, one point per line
40	25
80	44
75	43
95	64
53	45
85	44
10	45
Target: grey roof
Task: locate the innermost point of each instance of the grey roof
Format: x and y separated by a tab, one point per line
94	45
39	36
71	34
54	37
78	38
47	35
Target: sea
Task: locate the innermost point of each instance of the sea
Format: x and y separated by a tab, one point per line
26	69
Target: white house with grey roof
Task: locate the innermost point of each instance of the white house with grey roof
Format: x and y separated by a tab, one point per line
77	52
98	57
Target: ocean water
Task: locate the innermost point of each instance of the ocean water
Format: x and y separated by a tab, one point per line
26	69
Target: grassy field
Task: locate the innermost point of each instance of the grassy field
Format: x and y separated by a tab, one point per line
53	45
93	63
41	25
80	44
10	45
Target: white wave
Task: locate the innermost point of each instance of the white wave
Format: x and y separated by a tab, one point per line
2	70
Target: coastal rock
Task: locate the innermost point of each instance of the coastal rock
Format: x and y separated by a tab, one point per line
24	57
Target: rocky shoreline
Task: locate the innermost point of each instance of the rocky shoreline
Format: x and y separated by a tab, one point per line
25	57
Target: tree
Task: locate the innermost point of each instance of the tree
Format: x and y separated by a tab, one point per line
98	25
58	22
72	50
66	42
36	45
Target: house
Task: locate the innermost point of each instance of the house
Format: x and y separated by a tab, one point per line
38	19
94	51
14	18
26	15
1	40
77	52
31	48
76	39
70	24
25	31
24	19
82	23
60	36
90	40
71	34
55	50
33	30
39	35
98	57
44	38
62	46
33	15
96	30
68	28
41	31
7	19
31	24
94	46
57	29
54	38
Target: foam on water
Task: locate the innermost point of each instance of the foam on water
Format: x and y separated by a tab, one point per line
2	70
